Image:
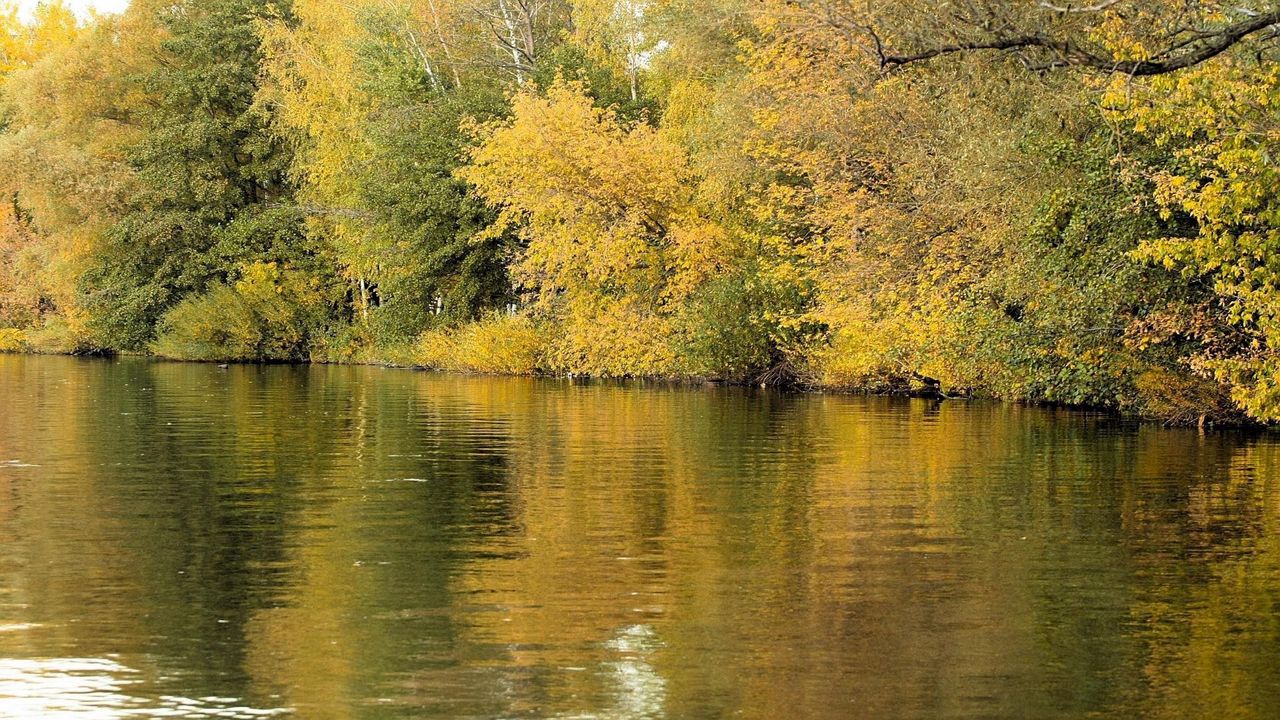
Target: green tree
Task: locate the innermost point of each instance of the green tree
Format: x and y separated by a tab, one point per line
204	161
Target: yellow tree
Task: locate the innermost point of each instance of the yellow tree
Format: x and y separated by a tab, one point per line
1217	131
29	262
613	240
966	225
12	39
887	249
370	94
315	86
53	26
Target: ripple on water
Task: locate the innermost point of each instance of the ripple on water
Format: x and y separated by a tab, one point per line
98	688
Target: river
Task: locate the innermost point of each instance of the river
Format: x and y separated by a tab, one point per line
179	540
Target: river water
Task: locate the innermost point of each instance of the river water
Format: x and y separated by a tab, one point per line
341	542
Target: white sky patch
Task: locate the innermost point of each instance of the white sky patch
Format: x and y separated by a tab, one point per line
82	7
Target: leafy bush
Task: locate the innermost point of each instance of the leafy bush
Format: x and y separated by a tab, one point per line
726	329
611	339
269	314
497	343
12	340
59	335
345	344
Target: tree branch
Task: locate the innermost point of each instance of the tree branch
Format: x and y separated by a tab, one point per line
1178	57
1096	7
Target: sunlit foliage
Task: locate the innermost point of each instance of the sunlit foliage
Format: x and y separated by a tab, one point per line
372	95
1217	129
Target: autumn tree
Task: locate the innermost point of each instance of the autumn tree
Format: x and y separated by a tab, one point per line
1216	128
972	231
39	256
372	97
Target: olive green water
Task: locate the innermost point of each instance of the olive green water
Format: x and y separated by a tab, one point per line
334	542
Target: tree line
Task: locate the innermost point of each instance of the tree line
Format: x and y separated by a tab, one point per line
1033	200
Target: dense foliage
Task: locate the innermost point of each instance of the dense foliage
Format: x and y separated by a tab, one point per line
1060	203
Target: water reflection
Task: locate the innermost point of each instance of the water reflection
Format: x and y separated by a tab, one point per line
641	690
360	543
75	688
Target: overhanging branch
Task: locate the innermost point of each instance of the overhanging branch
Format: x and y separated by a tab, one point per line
1064	53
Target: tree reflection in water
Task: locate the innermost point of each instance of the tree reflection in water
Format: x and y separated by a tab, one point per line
359	543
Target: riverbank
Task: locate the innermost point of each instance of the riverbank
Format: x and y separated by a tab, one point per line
479	351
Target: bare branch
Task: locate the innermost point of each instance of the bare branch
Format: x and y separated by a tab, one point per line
323	211
1205	46
1096	7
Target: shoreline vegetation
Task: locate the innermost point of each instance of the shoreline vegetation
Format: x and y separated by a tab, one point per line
406	360
1041	203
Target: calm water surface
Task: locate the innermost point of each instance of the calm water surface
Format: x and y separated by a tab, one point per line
331	542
